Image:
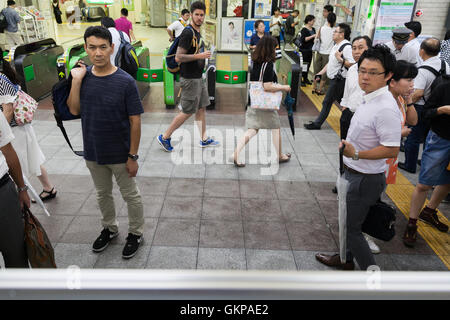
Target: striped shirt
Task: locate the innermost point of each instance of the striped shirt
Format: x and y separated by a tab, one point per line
8	94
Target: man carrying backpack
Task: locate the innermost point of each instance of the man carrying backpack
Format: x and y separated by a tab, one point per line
12	34
109	23
435	167
423	83
194	92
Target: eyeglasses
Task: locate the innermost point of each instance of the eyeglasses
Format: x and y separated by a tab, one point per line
335	31
370	73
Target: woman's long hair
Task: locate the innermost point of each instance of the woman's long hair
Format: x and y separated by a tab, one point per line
265	50
8	71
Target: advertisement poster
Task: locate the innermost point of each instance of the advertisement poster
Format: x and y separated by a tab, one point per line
392	15
128	4
287	5
263	9
231	34
249	29
210	34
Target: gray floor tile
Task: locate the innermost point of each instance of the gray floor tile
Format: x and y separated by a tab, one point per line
111	258
66	203
324	174
221	259
407	262
152	207
306	260
182	207
306	211
267	235
186	187
254	172
310	236
261	210
294	190
330	211
270	260
172	258
224	171
311	159
221	209
177	232
257	189
152	185
77	184
322	190
83	230
221	234
189	171
72	254
289	173
221	188
91	207
156	169
330	147
55	226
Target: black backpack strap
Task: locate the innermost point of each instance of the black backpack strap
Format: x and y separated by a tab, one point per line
341	48
432	70
60	124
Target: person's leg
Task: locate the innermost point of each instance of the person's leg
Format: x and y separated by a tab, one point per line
418	199
276	138
242	142
200	119
176	123
12	245
412	143
439	194
45	182
132	197
333	93
102	178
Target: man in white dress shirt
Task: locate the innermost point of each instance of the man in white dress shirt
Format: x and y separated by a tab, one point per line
399	45
413	43
373	136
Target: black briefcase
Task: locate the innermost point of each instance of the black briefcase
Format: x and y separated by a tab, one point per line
380	221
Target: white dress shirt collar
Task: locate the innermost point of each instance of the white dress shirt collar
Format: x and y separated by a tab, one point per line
374	94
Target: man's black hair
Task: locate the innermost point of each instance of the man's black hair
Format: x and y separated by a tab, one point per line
198	5
415	26
298	12
276	9
309	18
108	22
404	70
257	23
184	11
346	28
329	8
124	12
366	38
10	3
331	19
381	53
98	32
431	46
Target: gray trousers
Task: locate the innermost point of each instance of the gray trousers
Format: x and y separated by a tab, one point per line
364	190
335	92
12	244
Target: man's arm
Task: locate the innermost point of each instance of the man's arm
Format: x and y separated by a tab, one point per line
380	152
182	56
16	173
8	111
73	101
133	38
135	138
417	95
170	33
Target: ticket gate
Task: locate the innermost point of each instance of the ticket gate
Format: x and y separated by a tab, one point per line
35	63
289	70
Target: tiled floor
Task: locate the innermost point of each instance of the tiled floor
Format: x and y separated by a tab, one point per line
211	216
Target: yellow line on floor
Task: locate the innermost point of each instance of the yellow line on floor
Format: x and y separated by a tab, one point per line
400	193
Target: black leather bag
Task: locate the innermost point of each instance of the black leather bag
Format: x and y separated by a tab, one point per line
380	221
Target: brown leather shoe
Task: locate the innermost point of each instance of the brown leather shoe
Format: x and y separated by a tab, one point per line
429	216
334	261
410	235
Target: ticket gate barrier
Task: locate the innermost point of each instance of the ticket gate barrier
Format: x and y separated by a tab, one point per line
289	68
35	63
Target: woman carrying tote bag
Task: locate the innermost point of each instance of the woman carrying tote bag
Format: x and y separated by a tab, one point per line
255	118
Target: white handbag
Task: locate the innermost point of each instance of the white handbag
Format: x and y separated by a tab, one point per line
261	99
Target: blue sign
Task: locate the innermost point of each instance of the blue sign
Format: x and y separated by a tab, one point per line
249	29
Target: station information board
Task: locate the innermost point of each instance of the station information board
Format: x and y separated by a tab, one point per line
391	15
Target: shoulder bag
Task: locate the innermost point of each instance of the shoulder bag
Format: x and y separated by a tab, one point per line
261	99
24	108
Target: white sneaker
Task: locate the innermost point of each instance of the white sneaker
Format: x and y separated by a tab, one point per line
372	245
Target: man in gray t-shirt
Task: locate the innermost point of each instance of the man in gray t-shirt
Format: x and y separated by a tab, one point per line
12	34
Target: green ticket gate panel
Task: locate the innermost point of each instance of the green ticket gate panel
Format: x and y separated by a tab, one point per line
35	63
169	85
143	55
68	60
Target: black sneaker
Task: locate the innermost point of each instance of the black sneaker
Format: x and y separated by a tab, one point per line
103	240
132	245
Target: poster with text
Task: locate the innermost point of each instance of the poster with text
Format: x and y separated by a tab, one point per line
231	34
287	5
263	9
128	4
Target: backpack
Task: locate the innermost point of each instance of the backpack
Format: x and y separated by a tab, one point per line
440	76
339	74
3	22
171	64
126	58
60	94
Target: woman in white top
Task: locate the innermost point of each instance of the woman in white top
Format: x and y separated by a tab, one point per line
25	143
325	36
275	25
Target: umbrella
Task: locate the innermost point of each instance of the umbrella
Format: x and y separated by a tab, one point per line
35	195
342	187
288	103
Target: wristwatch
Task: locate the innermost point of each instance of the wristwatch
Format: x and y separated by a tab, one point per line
356	155
133	156
24	188
410	104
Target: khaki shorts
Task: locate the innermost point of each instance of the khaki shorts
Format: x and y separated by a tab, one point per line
194	95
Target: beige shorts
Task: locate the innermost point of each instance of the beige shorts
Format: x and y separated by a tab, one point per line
194	95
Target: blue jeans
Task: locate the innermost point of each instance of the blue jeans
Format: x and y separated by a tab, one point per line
415	138
435	159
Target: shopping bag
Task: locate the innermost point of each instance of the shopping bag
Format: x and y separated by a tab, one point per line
261	99
38	246
24	108
391	172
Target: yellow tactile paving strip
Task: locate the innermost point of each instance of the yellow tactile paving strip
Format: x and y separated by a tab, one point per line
400	193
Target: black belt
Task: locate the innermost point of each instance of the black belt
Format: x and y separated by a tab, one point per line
357	172
4	180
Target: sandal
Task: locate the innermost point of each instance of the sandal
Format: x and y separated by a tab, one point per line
239	165
288	155
50	195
